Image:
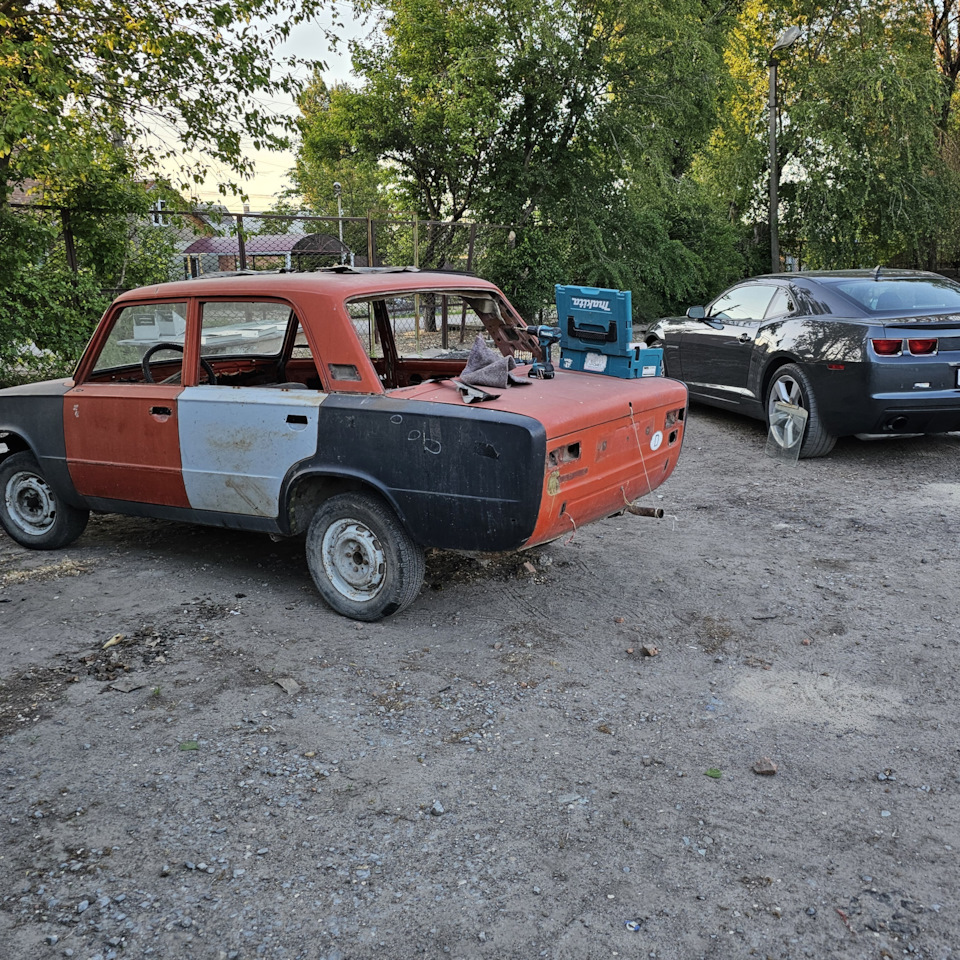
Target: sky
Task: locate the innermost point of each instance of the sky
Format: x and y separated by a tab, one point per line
306	40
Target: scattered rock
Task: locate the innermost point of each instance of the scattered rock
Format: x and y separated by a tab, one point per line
765	767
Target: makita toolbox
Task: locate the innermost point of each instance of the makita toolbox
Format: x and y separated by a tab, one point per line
596	334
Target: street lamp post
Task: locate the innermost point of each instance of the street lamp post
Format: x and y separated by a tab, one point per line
786	39
337	190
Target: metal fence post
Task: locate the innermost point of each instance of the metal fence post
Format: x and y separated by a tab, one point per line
241	246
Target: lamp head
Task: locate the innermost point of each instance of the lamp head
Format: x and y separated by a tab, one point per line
787	38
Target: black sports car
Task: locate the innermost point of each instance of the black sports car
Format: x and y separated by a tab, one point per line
862	351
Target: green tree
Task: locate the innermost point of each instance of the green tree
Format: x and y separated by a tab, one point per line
534	112
324	158
866	124
47	308
178	84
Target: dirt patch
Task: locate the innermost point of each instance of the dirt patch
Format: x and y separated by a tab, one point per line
557	755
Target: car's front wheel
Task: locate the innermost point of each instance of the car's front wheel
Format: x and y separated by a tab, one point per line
30	510
364	563
791	385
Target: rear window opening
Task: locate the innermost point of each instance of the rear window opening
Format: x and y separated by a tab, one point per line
906	294
419	336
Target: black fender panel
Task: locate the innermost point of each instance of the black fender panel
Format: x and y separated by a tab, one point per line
459	478
34	412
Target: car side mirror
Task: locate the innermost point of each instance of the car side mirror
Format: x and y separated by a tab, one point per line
696	313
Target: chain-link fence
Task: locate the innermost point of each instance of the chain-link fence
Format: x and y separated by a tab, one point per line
128	250
60	268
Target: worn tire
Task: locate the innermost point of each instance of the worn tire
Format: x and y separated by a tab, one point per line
30	510
364	563
791	385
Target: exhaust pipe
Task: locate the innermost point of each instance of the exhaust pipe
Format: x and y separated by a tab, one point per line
638	511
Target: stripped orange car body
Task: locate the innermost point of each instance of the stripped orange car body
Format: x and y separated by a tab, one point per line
289	405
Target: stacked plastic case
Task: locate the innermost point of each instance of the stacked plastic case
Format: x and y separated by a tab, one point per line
597	334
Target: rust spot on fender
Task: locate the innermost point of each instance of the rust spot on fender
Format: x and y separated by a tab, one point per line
573	476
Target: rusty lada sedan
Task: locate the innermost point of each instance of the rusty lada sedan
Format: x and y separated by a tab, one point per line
300	404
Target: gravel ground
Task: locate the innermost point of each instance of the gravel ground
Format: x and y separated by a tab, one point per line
728	733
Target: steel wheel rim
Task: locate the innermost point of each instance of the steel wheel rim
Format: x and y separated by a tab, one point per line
30	503
354	560
785	390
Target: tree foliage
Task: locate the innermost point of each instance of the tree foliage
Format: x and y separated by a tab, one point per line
584	117
867	128
176	84
48	309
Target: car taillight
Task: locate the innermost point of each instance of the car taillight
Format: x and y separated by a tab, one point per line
922	348
887	348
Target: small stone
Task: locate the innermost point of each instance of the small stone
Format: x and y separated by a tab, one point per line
765	767
82	906
649	650
437	809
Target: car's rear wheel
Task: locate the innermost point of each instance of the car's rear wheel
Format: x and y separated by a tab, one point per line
791	385
30	510
364	563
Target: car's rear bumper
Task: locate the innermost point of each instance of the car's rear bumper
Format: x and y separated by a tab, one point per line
937	413
889	397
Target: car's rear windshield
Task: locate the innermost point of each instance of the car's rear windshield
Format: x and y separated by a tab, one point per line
907	294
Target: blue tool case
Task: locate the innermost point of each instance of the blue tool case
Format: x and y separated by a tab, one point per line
596	334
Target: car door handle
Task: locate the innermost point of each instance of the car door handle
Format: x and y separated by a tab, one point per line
745	338
160	411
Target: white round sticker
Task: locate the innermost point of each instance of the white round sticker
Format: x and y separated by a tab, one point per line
656	440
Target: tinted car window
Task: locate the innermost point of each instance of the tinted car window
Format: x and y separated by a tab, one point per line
879	296
748	302
780	304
